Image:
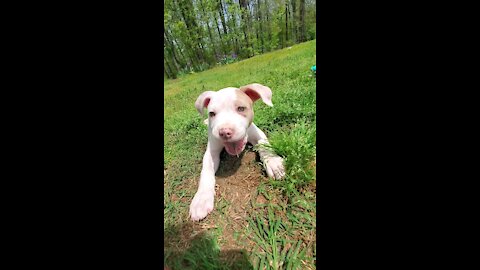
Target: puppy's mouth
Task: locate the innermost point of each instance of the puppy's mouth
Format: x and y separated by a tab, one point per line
235	148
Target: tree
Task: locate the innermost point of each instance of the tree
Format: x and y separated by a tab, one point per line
302	21
198	33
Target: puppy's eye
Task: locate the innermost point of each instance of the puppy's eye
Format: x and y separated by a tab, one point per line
212	114
241	109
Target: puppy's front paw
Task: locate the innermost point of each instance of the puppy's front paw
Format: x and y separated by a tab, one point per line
202	205
274	167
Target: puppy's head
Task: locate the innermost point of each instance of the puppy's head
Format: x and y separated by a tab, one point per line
230	113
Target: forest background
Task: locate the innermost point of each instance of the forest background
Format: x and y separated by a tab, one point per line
199	35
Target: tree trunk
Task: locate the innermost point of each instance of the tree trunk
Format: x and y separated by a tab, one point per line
234	29
244	12
205	16
294	21
302	21
171	47
260	22
286	24
224	24
168	69
256	26
268	24
186	9
219	34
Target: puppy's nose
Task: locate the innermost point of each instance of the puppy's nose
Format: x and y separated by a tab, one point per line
225	133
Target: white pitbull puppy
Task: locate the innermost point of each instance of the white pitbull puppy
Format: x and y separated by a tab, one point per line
230	126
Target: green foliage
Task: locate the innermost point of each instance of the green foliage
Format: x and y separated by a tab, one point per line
204	253
201	34
297	144
274	251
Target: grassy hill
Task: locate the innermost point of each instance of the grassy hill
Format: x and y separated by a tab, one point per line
258	223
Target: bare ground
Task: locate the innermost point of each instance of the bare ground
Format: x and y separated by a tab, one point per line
237	180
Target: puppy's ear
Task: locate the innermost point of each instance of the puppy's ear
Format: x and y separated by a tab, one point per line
256	91
203	100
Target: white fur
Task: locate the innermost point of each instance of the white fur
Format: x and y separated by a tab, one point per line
221	102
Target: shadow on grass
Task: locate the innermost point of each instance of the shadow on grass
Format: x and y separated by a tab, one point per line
185	249
229	164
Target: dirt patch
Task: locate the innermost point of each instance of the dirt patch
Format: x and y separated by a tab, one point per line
237	182
261	199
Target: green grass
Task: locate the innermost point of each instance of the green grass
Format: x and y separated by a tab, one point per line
278	233
274	249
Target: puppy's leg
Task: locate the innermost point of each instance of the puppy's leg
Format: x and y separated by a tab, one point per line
202	203
273	163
